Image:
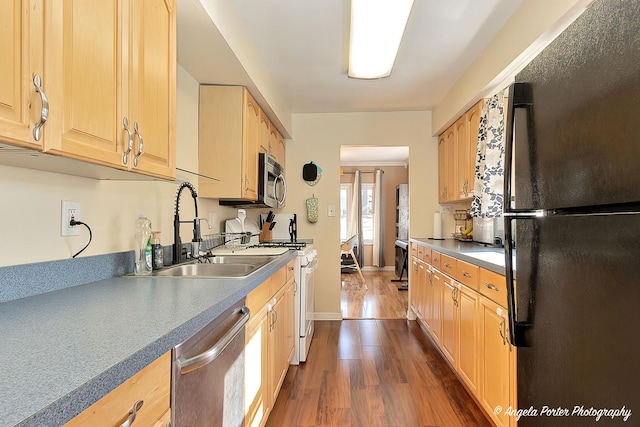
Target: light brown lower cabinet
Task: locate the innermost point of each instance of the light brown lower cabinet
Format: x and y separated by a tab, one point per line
269	344
164	421
471	330
468	333
497	363
151	386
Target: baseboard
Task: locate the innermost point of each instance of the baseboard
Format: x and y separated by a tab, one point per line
372	268
327	316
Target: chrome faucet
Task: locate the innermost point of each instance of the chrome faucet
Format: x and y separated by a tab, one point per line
178	255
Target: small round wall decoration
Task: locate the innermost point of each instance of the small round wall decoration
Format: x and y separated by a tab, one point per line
311	173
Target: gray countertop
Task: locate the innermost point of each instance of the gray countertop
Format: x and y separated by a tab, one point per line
475	253
61	351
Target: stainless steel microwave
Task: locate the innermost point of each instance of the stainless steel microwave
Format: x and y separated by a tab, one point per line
272	187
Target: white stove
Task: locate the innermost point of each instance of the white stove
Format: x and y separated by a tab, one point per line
305	267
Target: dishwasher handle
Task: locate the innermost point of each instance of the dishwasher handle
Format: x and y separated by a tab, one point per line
191	364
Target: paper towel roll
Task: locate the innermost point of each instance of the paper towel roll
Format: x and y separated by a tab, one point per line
437	226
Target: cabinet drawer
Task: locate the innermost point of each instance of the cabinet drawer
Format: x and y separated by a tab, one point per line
426	256
421	250
151	385
493	286
448	265
468	274
414	249
435	259
290	268
278	280
259	297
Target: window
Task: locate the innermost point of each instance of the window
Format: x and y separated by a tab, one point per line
367	212
345	203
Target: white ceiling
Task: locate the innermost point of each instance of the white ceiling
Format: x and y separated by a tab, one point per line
303	45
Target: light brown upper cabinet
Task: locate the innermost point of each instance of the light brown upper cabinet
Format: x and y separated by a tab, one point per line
109	75
457	157
21	24
447	166
467	147
228	142
462	159
264	140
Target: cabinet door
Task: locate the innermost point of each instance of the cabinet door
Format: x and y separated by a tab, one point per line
257	395
290	330
462	159
277	344
20	59
442	168
164	421
82	76
468	150
152	86
468	337
281	150
249	149
422	291
451	164
435	311
263	141
428	297
449	341
151	385
496	361
414	286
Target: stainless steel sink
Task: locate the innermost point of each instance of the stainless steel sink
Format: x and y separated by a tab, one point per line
221	266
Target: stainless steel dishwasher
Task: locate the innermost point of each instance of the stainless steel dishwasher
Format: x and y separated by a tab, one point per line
208	373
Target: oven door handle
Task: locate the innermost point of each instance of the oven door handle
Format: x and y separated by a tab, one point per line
191	364
311	267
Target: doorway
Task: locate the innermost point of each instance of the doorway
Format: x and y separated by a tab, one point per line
377	297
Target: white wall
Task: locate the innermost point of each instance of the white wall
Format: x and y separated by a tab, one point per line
534	24
30	213
318	138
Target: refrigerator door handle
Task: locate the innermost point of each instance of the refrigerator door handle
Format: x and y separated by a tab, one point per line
520	96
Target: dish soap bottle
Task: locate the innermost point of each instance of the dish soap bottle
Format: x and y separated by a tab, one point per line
142	229
157	253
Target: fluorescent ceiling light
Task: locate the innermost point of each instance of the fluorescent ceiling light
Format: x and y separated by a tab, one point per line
377	27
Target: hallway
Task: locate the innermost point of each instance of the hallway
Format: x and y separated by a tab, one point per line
373	373
377	298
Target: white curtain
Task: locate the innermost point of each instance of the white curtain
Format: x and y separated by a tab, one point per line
355	217
378	220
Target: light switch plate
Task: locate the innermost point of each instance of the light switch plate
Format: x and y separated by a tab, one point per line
331	210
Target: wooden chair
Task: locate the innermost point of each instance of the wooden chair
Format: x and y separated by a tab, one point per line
347	249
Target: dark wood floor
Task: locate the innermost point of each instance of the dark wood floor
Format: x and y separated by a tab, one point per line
373	373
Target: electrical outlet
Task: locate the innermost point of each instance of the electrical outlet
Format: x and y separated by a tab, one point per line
213	221
445	209
70	210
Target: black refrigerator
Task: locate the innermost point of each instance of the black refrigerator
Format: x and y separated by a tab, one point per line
572	172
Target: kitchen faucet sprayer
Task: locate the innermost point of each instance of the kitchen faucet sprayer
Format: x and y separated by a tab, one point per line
195	242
